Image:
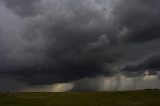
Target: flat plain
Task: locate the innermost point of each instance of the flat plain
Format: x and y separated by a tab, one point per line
121	98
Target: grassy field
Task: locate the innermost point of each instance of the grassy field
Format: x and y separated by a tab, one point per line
128	98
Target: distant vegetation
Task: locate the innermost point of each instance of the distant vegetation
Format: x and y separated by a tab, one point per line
146	97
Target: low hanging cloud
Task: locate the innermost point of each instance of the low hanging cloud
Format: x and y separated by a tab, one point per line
151	64
101	83
45	42
117	83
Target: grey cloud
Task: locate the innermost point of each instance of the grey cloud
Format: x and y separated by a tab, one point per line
52	41
138	20
23	8
61	45
117	83
10	85
151	65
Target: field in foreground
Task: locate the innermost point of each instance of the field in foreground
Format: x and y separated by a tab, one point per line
128	98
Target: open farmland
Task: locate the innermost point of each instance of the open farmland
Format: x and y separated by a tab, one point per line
126	98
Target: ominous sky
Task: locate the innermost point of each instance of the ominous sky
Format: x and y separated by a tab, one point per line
79	45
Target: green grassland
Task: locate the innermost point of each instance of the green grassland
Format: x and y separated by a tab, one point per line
128	98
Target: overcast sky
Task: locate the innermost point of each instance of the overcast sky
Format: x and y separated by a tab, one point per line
79	45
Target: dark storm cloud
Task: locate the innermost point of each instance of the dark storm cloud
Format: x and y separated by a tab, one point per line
1	50
23	8
138	20
151	65
54	41
67	41
10	85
